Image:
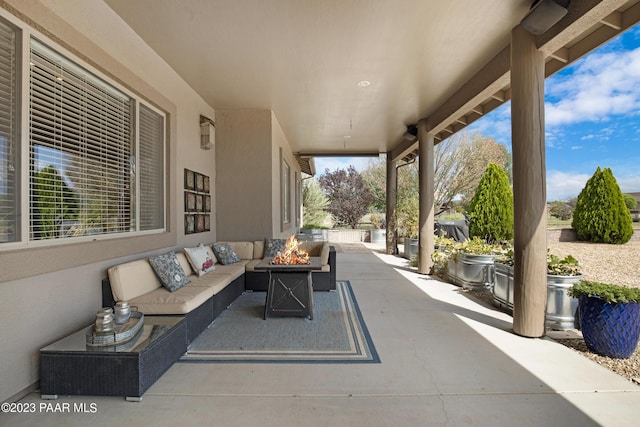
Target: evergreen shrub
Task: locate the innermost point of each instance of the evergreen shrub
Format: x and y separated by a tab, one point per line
601	214
491	208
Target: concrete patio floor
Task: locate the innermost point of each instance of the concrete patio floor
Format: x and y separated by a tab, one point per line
446	360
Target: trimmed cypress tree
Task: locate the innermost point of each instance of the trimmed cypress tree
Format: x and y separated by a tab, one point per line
491	208
601	214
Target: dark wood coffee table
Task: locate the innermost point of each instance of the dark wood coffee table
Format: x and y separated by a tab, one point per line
290	289
70	367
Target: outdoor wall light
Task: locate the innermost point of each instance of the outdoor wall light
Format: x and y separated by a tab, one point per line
207	133
543	15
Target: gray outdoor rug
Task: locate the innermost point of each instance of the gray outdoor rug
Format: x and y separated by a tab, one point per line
337	333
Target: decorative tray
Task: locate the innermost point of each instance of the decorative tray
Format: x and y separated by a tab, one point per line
120	334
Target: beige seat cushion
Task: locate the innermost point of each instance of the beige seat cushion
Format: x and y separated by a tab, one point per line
251	265
182	301
219	278
132	279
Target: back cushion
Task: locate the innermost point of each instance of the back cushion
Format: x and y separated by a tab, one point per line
314	248
132	279
243	249
258	249
184	263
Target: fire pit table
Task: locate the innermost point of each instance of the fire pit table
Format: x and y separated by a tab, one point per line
290	290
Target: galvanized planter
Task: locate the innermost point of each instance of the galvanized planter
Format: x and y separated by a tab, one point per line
561	308
503	285
472	271
313	235
410	248
378	236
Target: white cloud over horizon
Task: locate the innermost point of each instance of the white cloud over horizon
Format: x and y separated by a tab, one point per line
563	185
601	85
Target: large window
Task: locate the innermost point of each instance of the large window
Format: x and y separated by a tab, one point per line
9	153
95	161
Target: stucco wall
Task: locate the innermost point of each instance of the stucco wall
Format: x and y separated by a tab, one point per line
249	146
281	150
47	293
243	171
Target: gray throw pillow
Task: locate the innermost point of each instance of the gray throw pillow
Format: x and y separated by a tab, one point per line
169	271
225	254
273	246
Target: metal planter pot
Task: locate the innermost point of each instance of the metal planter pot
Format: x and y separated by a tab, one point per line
313	235
378	236
561	308
503	285
472	271
410	248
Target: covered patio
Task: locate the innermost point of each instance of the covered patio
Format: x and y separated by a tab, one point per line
446	359
244	95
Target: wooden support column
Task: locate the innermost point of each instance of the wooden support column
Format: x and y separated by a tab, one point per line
426	188
529	185
392	196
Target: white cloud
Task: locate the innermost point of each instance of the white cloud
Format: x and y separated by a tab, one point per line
577	147
563	185
629	184
601	85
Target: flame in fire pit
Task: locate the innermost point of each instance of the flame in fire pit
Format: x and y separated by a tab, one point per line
293	253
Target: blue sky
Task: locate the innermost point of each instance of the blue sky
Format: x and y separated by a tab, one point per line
592	115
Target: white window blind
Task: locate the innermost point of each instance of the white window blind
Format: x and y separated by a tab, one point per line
151	142
80	151
9	227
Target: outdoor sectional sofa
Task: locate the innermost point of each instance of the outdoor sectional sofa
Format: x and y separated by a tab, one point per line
206	296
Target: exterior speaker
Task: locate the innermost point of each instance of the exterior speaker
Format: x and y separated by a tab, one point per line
543	15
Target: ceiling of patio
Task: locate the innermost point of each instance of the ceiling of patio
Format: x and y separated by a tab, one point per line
306	59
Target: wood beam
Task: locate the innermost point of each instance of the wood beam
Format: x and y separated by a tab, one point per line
614	20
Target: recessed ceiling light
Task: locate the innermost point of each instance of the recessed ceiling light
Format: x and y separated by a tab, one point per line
363	83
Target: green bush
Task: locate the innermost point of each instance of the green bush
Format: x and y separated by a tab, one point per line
491	208
611	294
601	214
630	201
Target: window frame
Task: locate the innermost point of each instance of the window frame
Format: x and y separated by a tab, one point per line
24	35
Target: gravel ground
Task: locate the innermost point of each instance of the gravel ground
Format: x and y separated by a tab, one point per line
604	263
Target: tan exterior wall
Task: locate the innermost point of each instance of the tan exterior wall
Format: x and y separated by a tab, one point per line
243	190
249	148
49	292
281	151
